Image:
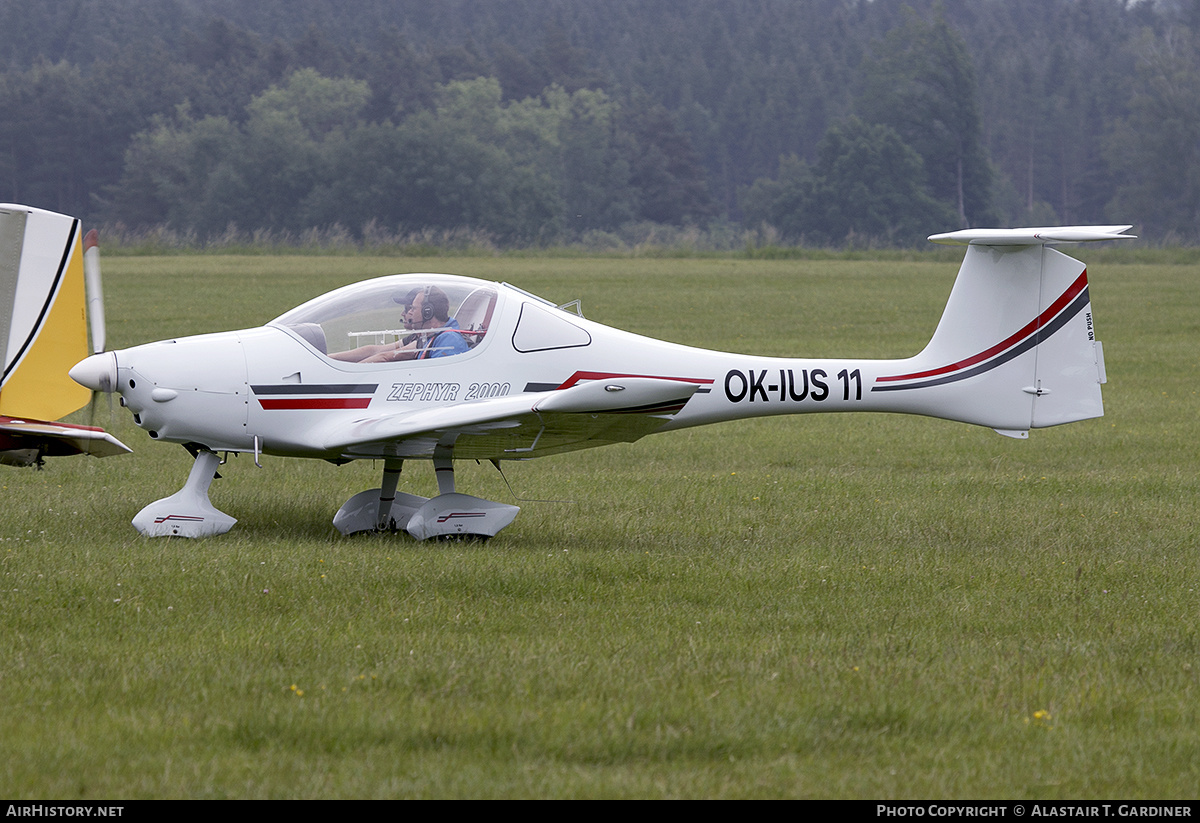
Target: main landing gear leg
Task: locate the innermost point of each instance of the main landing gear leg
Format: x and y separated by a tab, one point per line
387	494
188	512
379	510
449	516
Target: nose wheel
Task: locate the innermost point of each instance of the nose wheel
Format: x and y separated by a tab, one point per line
188	512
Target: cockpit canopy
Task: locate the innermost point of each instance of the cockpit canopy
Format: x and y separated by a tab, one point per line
373	312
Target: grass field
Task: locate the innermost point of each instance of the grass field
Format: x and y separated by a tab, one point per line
839	606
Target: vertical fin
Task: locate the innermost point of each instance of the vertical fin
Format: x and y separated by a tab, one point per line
1015	348
42	289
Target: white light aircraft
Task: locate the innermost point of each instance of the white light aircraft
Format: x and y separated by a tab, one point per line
443	368
43	332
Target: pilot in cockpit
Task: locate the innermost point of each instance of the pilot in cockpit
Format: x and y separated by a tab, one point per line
435	333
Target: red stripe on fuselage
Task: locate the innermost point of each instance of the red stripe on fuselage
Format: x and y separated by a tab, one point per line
1058	305
315	403
605	375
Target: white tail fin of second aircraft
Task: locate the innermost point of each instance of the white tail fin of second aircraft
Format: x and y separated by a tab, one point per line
43	322
1016	348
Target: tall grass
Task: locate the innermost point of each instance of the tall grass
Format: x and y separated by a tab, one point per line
636	240
829	606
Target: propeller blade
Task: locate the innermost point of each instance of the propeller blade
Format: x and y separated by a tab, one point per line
95	308
95	294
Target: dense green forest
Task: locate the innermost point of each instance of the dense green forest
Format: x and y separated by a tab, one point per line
537	122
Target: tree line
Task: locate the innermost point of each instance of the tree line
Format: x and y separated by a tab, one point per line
549	121
526	172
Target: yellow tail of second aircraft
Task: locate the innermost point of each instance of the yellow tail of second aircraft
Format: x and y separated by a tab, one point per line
43	333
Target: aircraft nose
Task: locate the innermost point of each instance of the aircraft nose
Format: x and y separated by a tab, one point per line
98	372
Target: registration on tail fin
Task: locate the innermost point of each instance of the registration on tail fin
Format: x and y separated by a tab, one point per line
1016	347
43	333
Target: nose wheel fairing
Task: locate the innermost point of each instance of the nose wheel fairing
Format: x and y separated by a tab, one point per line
188	512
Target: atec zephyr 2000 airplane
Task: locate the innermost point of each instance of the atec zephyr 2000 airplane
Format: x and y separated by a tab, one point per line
444	368
44	312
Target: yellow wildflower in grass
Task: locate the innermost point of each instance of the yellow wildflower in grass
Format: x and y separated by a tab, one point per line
1041	717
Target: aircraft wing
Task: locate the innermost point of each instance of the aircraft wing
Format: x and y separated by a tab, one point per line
532	424
24	442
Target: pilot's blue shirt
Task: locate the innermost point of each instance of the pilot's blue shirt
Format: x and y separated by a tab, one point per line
447	343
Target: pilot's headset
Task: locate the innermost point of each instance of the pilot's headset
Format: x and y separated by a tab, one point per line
426	306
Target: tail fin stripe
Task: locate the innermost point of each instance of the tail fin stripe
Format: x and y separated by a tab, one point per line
51	296
1040	334
1026	335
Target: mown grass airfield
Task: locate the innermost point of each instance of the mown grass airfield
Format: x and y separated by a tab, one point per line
851	606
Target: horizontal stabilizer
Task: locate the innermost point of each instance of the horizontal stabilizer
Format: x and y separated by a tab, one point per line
59	439
1046	236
